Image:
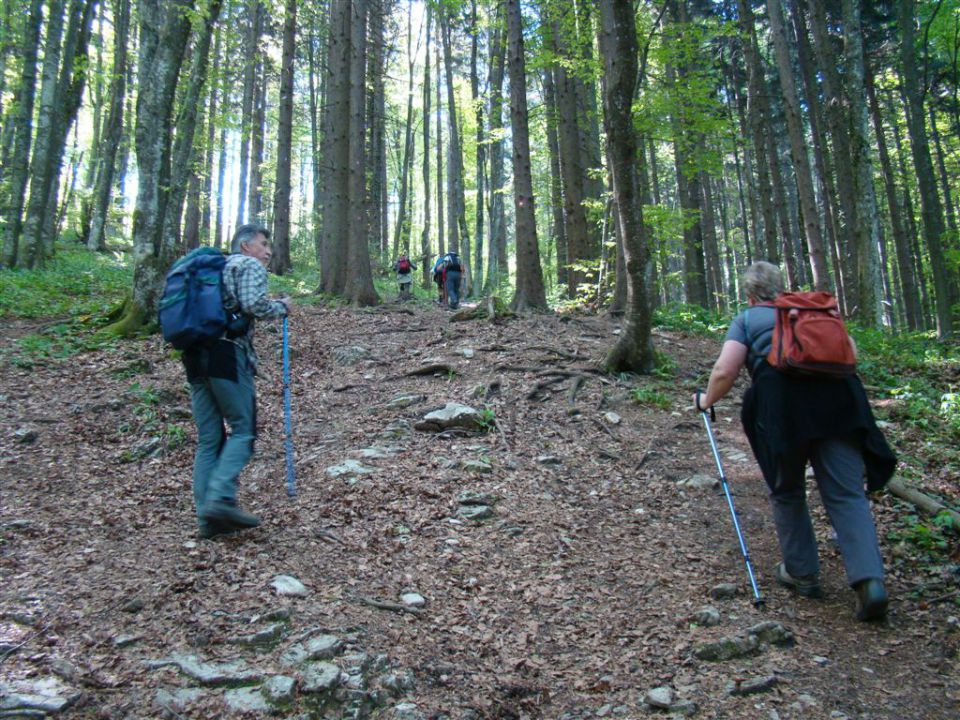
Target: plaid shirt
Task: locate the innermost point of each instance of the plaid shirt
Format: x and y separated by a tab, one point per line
245	289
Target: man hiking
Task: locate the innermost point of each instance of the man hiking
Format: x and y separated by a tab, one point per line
221	376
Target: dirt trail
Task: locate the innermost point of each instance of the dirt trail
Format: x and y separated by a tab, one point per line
572	601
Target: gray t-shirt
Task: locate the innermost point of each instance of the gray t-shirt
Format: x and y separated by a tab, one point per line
754	328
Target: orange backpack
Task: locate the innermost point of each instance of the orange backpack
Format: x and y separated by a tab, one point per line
809	337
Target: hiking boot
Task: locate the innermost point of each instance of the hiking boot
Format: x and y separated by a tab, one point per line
210	529
871	600
806	585
229	516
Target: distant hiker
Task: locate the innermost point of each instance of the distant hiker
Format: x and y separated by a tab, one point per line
446	274
404	268
790	419
221	375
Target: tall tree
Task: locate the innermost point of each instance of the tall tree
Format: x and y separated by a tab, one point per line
280	262
931	209
618	45
164	34
529	292
16	154
113	130
427	92
497	259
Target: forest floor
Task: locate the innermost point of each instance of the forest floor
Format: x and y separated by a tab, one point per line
578	596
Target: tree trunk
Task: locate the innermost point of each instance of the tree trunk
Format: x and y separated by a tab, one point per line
378	232
401	237
477	270
183	158
618	45
798	148
15	165
497	269
556	184
425	236
112	132
257	138
359	285
931	209
456	201
251	52
529	291
206	190
440	192
280	262
908	280
164	32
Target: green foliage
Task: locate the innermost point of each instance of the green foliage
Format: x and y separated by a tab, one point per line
930	540
53	342
910	368
76	282
689	318
487	420
651	396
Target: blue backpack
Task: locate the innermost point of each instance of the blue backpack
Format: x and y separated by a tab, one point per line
191	307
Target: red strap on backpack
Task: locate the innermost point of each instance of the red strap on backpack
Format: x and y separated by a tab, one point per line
810	337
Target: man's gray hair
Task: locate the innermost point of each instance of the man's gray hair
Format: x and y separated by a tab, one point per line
246	233
762	281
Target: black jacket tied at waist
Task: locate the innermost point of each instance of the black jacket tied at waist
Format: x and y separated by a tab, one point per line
783	412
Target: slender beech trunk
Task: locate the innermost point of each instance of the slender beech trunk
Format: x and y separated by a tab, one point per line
932	211
558	226
529	288
427	93
798	148
477	270
908	281
497	269
14	165
618	44
401	236
251	51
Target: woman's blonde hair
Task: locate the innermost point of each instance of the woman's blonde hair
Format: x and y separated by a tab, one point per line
762	281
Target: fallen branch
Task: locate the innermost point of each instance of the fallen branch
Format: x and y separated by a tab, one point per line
344	388
575	388
391	606
922	500
944	597
543	385
560	353
431	369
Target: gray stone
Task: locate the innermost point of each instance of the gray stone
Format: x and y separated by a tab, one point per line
48	695
278	615
267	636
398	683
378	453
25	435
407	711
612	417
177	700
402	401
707	616
474	512
699	482
684	707
728	648
723	591
478	466
122	641
289	585
348	469
452	415
320	677
821	660
467	352
246	700
412	599
659	697
349	355
773	633
319	647
752	686
472	497
211	674
397	429
549	460
279	689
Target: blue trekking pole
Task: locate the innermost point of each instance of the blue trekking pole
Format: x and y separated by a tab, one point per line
287	423
758	601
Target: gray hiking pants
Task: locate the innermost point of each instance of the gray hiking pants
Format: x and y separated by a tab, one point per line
838	466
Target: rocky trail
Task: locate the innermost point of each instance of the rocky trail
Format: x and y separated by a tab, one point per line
554	549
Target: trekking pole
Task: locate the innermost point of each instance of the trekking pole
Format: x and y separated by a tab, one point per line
287	423
758	601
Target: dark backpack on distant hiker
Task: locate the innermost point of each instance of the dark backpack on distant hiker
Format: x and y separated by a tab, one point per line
809	337
191	307
452	262
403	265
